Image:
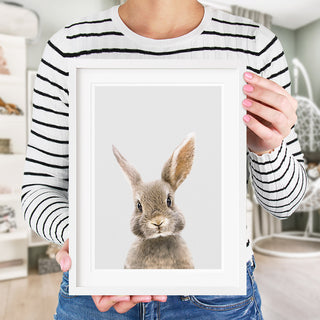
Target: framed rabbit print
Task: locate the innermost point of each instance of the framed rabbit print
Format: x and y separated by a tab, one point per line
157	177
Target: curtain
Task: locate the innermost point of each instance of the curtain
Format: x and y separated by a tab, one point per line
256	16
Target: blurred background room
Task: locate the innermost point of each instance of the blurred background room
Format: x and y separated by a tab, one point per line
287	251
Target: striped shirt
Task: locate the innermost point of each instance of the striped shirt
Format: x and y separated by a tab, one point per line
279	178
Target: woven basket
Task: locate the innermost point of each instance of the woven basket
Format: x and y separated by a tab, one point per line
5	146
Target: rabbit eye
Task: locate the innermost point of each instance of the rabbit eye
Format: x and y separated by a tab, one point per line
139	206
169	201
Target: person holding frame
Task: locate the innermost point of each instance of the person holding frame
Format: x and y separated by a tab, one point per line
143	29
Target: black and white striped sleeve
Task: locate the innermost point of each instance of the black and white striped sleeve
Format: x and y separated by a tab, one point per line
44	194
279	178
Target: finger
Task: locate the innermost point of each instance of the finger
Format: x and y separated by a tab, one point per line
137	299
270	98
65	246
278	120
292	119
268	84
159	298
104	303
63	258
122	307
63	249
271	137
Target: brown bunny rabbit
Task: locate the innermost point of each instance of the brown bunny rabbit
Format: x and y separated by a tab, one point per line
156	220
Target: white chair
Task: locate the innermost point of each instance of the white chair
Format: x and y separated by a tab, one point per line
299	244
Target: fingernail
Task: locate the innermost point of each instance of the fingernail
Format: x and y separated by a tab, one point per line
67	264
63	264
246	118
145	299
247	103
163	299
121	298
248	75
248	88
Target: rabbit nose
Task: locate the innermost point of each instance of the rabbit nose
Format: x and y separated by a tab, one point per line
157	222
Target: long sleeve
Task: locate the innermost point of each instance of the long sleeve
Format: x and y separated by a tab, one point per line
279	178
44	194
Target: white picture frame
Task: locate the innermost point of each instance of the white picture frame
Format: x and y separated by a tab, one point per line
99	88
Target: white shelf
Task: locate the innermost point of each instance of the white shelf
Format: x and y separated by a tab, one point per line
9	79
14	93
5	118
36	241
18	234
17	155
14	245
11	171
14	272
38	244
8	197
15	129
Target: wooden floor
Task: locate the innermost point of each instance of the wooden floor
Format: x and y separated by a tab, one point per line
290	289
31	298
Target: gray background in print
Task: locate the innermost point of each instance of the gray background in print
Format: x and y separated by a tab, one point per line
146	124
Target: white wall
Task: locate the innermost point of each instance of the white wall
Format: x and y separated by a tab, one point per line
55	15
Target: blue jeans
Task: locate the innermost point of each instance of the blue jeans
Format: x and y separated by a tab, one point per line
246	307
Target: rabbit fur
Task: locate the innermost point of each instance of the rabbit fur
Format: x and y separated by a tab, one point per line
156	220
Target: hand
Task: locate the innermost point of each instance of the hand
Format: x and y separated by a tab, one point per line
63	257
271	112
103	303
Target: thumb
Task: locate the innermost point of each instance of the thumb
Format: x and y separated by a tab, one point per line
63	257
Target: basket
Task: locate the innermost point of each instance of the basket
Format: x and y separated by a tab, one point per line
5	146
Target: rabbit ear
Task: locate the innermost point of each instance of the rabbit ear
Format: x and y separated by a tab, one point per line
179	164
131	173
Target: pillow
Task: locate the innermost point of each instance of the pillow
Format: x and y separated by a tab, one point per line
18	21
